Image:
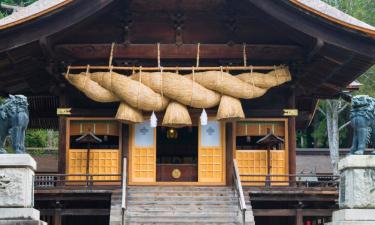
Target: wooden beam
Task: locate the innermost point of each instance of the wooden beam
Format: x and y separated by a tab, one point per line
76	212
292	212
274	212
185	51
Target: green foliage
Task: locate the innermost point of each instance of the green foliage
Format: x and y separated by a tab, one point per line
360	9
363	10
36	138
6	12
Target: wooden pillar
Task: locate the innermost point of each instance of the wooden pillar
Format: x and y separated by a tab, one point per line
299	217
292	135
57	219
125	140
229	143
62	136
125	146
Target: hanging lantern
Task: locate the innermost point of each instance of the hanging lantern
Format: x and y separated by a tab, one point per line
172	133
153	120
204	118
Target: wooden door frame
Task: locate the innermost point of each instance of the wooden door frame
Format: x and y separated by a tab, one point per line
286	135
67	136
160	183
130	153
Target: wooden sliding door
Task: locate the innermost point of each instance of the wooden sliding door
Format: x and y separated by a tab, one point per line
211	168
104	157
143	153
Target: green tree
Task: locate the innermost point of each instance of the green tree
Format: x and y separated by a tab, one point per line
5	12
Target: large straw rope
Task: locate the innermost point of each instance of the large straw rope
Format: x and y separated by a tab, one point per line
152	91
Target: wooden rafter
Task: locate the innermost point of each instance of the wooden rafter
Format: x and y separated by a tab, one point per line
185	51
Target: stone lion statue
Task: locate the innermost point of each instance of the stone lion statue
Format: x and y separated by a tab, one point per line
362	119
14	118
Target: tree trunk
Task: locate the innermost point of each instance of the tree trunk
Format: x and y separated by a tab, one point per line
332	116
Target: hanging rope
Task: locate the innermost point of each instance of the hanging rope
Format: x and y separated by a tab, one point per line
111	54
192	85
68	70
110	74
87	69
139	85
161	82
159	55
198	53
276	74
244	55
222	79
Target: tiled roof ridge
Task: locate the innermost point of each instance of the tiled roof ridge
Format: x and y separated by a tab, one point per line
334	15
31	11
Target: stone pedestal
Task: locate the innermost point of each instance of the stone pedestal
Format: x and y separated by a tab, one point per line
357	191
17	190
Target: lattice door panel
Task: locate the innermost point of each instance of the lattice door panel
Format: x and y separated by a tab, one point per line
278	167
77	164
104	162
100	162
144	165
210	165
252	163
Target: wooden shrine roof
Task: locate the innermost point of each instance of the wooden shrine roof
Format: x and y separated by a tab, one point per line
318	7
325	49
334	15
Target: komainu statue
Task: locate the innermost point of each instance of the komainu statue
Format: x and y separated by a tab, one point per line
14	118
362	116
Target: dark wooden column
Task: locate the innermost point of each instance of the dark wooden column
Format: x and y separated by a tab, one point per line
292	134
299	217
125	146
62	136
229	143
57	217
125	140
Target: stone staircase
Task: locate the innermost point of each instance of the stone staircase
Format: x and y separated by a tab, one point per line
178	205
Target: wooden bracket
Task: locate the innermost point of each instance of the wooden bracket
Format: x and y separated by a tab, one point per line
178	19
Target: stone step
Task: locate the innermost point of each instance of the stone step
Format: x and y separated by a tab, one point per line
157	214
181	223
177	193
178	188
177	205
136	208
187	203
182	198
190	220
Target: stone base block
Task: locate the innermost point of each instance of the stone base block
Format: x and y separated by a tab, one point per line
357	182
19	214
16	180
22	222
353	217
351	223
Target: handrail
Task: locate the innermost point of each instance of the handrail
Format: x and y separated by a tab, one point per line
238	185
291	180
124	190
50	180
